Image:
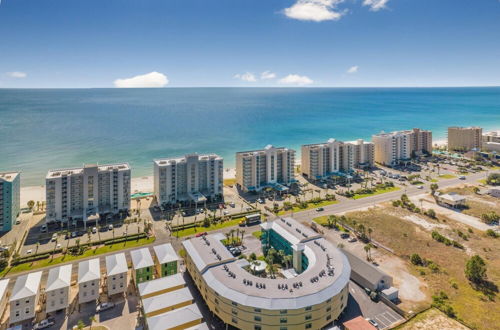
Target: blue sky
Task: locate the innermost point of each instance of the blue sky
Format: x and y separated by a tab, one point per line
177	43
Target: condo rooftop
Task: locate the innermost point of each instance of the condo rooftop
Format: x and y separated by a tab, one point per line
183	159
80	170
8	176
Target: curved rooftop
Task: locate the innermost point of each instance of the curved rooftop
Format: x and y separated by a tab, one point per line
326	276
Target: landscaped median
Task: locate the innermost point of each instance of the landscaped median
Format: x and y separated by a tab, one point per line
45	259
304	206
192	230
381	188
447	176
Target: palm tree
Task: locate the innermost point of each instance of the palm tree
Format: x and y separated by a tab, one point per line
228	235
242	232
54	251
288	260
281	256
370	231
80	325
92	320
367	249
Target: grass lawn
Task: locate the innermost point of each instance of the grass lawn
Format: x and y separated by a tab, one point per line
431	319
323	221
201	229
434	180
447	176
377	192
406	238
309	206
230	182
257	234
483	181
67	258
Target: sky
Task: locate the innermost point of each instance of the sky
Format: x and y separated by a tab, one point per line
249	43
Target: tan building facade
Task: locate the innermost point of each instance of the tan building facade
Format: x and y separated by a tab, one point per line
258	169
311	300
400	146
464	138
320	160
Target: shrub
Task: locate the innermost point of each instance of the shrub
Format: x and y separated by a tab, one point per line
491	233
490	217
416	259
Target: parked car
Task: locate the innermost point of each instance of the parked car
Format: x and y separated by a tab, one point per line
54	237
18	222
74	234
420	187
44	324
320	209
232	204
94	230
260	201
344	235
30	251
110	227
352	240
104	306
43	229
462	177
373	322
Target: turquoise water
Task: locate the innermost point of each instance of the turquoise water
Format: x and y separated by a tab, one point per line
54	128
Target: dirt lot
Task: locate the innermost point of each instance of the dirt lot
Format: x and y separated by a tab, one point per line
478	204
432	319
401	231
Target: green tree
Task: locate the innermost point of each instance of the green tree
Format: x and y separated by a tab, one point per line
80	325
416	259
475	269
31	204
434	188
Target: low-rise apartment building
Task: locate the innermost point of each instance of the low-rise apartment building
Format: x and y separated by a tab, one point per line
161	285
89	279
190	179
142	265
188	318
491	141
269	167
400	146
167	302
465	138
3	295
312	298
57	288
10	188
25	297
166	260
87	192
116	273
324	159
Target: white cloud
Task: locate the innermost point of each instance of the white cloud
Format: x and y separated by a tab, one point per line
267	75
17	74
375	5
315	10
295	79
353	69
247	76
152	79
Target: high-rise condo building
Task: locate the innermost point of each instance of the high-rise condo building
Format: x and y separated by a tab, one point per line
192	178
464	138
400	146
324	159
491	141
87	192
9	199
259	169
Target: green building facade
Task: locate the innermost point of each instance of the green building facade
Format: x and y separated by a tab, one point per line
10	187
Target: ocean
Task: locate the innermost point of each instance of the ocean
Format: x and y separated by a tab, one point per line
42	129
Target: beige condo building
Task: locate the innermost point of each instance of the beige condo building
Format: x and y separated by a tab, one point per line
192	178
323	159
313	297
87	192
400	146
464	138
259	169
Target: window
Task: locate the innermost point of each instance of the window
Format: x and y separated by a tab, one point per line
257	327
27	310
328	309
257	310
234	311
308	317
27	301
283	311
216	301
308	325
283	320
329	317
283	328
308	308
17	313
234	320
17	303
330	300
257	318
233	303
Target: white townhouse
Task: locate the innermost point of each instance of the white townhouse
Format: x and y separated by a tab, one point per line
87	192
57	288
192	178
3	295
116	273
24	298
89	276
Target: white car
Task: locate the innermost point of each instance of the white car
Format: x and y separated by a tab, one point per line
420	187
30	251
94	230
104	306
54	237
